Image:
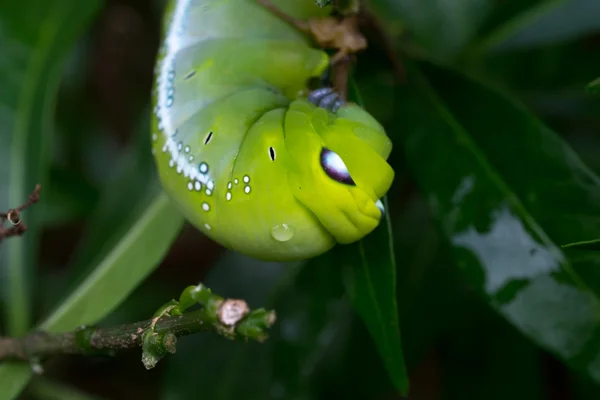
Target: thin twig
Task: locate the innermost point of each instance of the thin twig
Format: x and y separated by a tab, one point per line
341	34
13	216
341	74
229	317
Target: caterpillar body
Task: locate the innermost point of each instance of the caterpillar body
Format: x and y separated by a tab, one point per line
245	152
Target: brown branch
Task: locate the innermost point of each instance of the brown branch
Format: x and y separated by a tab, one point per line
232	318
341	34
13	216
341	74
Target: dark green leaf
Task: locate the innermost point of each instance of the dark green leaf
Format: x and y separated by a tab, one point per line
118	271
549	22
585	245
506	190
46	389
370	280
485	358
442	28
369	269
35	37
133	181
13	378
69	197
594	86
304	355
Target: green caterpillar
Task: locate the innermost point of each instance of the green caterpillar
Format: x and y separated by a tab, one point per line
247	156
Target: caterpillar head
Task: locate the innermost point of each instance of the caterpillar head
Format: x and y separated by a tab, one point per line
338	167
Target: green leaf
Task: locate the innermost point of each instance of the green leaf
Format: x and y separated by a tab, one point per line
117	273
486	358
549	22
506	190
69	197
585	245
13	378
442	28
369	269
306	347
509	18
35	37
45	389
594	86
369	274
133	179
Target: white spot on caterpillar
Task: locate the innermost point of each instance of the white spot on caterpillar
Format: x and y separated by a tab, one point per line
190	186
207	226
208	192
236	181
175	40
154	136
246	178
211	185
228	196
228	185
247	189
205	206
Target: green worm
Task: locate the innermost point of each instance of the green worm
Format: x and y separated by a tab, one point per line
245	151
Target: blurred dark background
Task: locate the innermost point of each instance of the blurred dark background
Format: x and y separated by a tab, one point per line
456	346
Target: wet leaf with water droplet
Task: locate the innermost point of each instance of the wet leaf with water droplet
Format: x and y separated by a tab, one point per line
507	192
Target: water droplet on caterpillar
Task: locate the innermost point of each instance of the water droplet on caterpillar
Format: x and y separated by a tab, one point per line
283	232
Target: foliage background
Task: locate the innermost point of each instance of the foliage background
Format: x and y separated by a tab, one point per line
88	142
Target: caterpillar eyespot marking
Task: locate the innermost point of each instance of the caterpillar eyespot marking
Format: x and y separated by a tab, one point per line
334	167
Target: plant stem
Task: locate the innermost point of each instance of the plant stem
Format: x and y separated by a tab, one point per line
90	340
